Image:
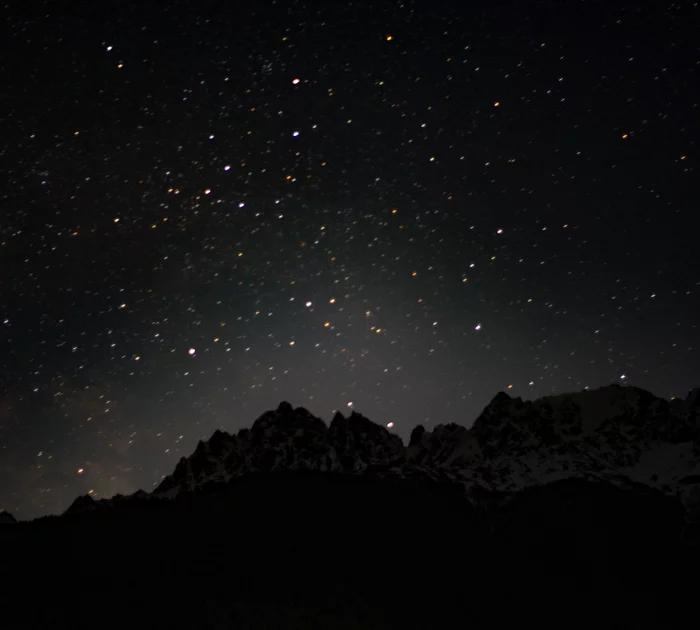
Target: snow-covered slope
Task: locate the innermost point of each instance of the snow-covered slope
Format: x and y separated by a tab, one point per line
616	433
623	435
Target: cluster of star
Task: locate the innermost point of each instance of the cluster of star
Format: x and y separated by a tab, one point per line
401	219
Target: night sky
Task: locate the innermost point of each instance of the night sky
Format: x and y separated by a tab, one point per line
394	207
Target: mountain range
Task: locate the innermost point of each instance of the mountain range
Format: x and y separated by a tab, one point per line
622	435
570	510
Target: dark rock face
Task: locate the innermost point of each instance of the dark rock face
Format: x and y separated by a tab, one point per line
439	447
288	439
359	443
417	436
6	518
83	504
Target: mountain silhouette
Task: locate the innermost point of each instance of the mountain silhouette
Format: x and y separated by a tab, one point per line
571	510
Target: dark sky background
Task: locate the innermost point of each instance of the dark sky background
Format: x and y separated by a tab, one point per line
399	207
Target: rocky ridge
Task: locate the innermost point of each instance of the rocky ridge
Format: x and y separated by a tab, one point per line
623	435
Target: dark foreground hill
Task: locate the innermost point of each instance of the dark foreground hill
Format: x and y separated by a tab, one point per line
295	525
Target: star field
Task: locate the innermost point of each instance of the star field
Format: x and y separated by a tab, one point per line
395	207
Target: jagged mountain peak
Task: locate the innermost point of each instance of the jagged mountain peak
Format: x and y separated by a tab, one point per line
84	503
416	435
287	418
285	407
500	407
287	438
693	397
568	415
513	443
612	425
355	418
500	398
441	446
358	443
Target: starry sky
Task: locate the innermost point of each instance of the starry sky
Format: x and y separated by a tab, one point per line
399	207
